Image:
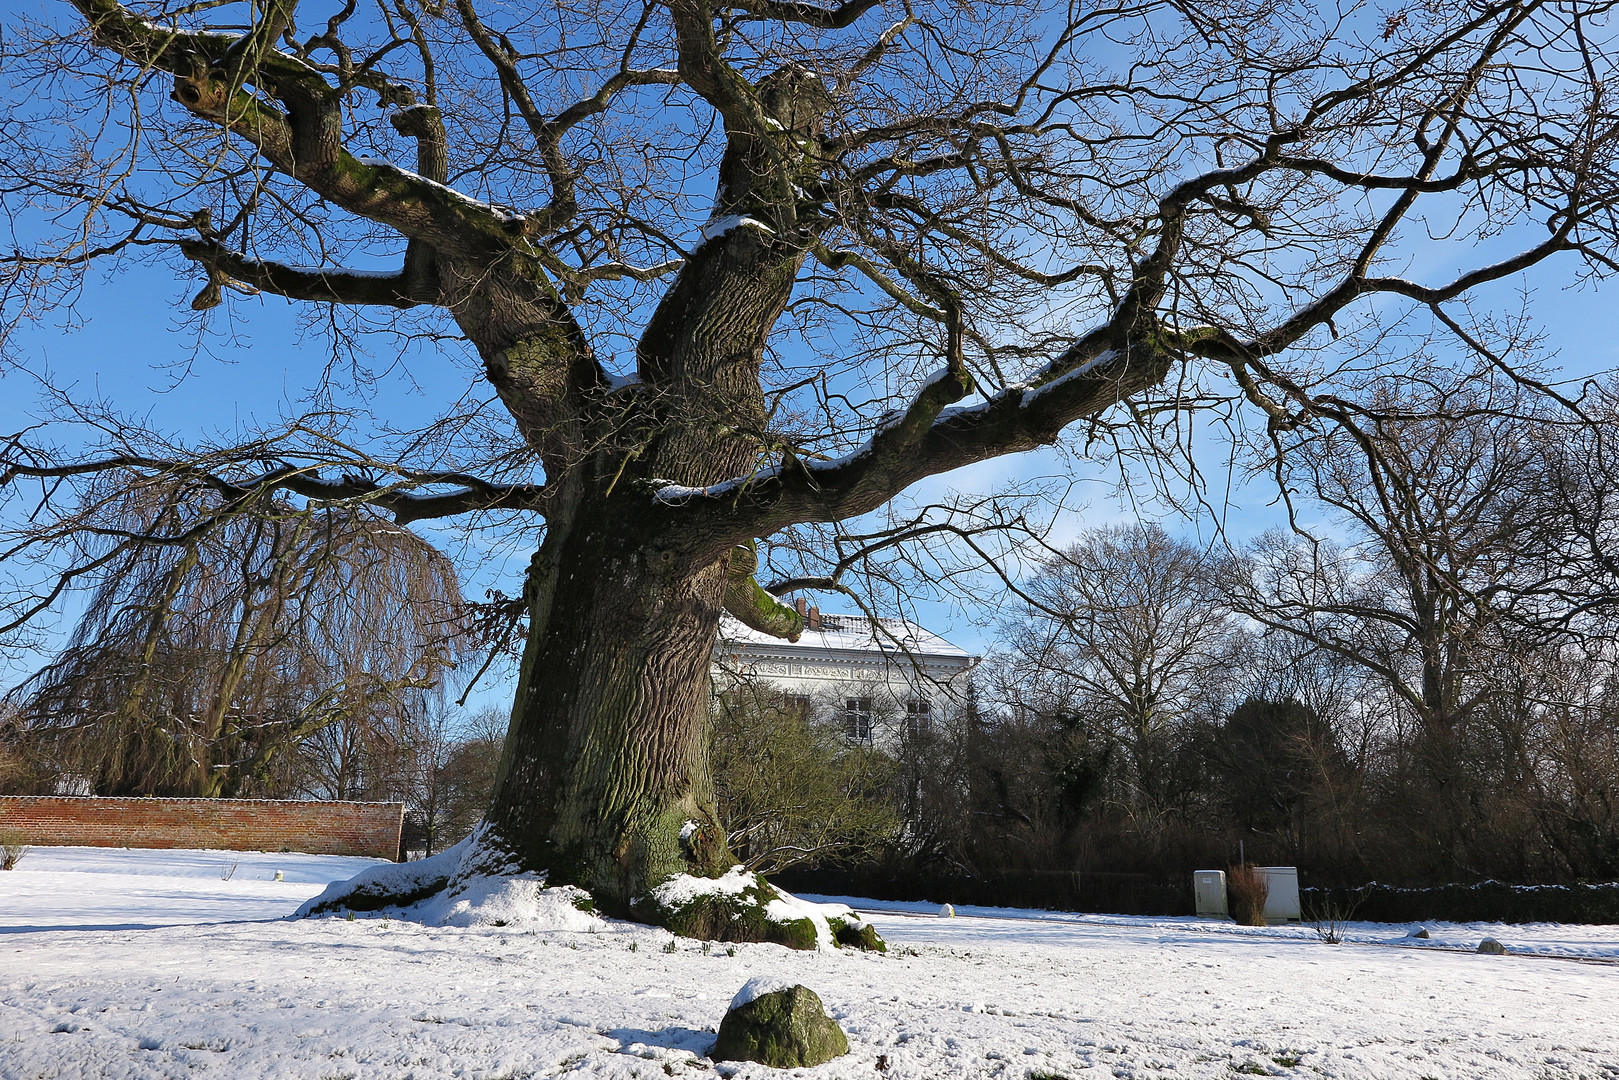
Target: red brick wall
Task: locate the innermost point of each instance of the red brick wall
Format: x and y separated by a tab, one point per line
321	828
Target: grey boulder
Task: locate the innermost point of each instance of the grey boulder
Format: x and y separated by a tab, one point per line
784	1028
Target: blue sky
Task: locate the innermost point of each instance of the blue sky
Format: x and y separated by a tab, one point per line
133	341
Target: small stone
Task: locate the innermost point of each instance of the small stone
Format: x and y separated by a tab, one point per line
1492	946
946	911
854	933
785	1029
1420	932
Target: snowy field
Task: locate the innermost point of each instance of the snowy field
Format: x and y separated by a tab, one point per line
121	963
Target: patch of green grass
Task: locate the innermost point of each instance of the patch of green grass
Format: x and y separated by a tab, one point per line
1250	1068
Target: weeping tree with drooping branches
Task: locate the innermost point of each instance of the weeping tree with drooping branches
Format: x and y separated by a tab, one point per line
742	271
201	665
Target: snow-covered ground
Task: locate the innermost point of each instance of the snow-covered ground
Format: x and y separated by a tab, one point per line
121	963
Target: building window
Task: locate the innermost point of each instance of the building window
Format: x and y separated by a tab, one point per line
919	716
796	704
857	718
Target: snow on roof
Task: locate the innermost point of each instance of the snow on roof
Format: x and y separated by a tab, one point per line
847	633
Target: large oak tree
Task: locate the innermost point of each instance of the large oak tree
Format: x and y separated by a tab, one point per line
736	268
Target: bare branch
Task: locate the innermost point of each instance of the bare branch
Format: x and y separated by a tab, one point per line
823	18
399	496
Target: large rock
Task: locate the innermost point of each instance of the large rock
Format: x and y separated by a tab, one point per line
1492	947
779	1025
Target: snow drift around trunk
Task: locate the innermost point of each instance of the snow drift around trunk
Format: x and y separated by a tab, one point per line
451	889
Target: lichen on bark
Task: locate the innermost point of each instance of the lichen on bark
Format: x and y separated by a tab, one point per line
748	602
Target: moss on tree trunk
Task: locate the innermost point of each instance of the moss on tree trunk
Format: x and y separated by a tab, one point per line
606	757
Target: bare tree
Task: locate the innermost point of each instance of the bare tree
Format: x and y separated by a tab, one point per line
446	771
840	250
1448	580
1123	633
1318	732
1578	510
1435	499
1573	777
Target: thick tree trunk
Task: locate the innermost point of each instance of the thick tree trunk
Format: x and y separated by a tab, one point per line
607	756
605	780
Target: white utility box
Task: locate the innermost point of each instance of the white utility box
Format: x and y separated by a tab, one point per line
1282	900
1208	886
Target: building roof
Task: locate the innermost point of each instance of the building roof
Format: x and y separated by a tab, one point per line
846	634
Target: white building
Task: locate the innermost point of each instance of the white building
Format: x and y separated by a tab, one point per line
873	677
